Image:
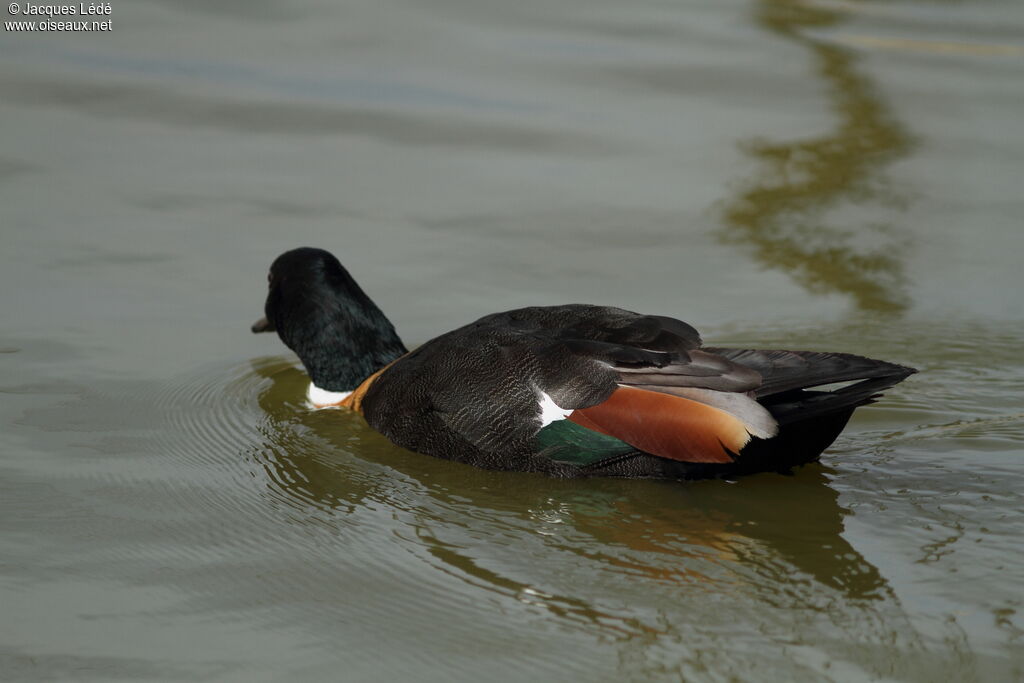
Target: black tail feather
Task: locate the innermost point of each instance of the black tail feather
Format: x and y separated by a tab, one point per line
809	420
800	405
784	371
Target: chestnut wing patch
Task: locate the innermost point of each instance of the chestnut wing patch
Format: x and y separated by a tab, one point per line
666	425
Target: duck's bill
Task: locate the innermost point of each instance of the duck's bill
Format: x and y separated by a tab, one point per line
262	325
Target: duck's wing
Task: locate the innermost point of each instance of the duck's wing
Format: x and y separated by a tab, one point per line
691	406
514	382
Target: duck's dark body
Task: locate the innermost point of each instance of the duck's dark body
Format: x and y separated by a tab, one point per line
424	402
475	394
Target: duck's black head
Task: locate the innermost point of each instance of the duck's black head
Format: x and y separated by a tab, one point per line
322	315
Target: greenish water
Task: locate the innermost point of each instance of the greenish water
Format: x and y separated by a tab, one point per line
822	175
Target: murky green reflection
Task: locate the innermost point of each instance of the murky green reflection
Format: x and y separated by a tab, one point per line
788	211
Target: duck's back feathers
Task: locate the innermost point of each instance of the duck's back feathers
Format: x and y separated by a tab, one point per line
634	387
476	393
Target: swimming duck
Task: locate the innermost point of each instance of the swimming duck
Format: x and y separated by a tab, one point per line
570	391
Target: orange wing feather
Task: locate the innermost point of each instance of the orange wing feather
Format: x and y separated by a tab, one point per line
665	425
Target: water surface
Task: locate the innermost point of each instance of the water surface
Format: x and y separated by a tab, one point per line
828	175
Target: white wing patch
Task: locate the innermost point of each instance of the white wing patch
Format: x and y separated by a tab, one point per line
321	398
550	412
